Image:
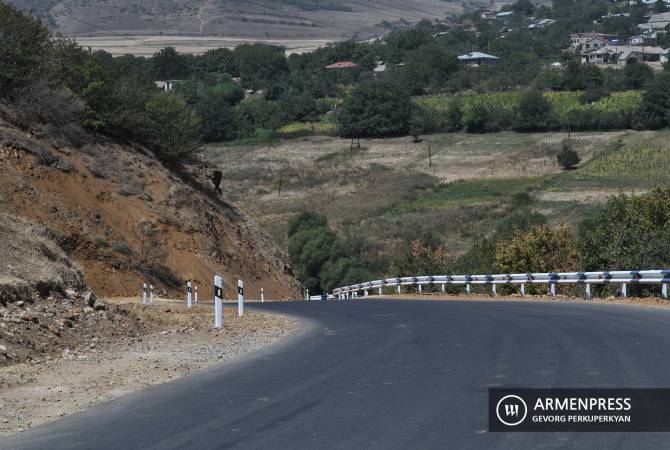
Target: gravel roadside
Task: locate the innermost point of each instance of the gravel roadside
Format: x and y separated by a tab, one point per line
177	342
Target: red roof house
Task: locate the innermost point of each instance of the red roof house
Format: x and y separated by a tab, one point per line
342	65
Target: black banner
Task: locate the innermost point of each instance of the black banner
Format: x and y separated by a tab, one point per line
240	290
218	292
579	409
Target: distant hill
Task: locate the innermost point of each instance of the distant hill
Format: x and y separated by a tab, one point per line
255	19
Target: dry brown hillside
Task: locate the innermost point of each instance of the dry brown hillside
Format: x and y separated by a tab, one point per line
125	218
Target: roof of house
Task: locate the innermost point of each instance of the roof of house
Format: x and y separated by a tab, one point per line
505	14
476	55
594	35
342	65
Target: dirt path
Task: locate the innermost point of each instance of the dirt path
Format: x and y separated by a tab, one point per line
177	342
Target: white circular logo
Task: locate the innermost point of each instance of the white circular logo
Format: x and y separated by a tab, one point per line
511	410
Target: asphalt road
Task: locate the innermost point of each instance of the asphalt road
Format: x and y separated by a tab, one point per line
388	375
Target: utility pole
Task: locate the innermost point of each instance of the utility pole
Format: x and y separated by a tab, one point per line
430	158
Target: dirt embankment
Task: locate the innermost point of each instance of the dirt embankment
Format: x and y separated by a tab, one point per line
126	219
166	341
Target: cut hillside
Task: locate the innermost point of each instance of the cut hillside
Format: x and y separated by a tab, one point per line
125	218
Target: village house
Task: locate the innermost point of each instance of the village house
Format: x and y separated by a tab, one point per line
166	85
619	56
655	22
594	40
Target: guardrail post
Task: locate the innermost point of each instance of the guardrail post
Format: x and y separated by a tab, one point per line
144	294
218	299
624	290
553	290
443	288
587	291
493	289
189	300
523	289
467	288
664	290
240	298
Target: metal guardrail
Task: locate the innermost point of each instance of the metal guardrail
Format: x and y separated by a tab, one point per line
551	279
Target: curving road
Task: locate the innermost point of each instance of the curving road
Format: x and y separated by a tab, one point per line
389	375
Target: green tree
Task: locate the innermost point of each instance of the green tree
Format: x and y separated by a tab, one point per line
628	233
534	112
25	46
217	118
375	108
655	108
172	128
167	64
637	75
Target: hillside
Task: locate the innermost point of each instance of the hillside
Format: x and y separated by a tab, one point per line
390	192
262	19
127	219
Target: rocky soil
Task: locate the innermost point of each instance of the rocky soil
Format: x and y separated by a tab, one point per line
136	347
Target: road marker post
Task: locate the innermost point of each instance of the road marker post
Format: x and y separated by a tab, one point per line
552	288
523	289
380	290
262	296
467	288
151	294
218	302
196	295
420	290
493	289
444	287
144	294
664	290
587	291
189	300
624	290
240	298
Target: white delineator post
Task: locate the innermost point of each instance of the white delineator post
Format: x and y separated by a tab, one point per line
493	289
189	300
196	295
262	296
664	290
624	290
218	302
587	291
553	290
151	294
467	288
144	294
240	298
523	289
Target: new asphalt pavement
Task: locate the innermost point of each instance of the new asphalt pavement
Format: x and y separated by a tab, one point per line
388	374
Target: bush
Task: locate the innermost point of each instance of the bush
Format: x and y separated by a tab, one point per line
567	158
541	249
122	248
